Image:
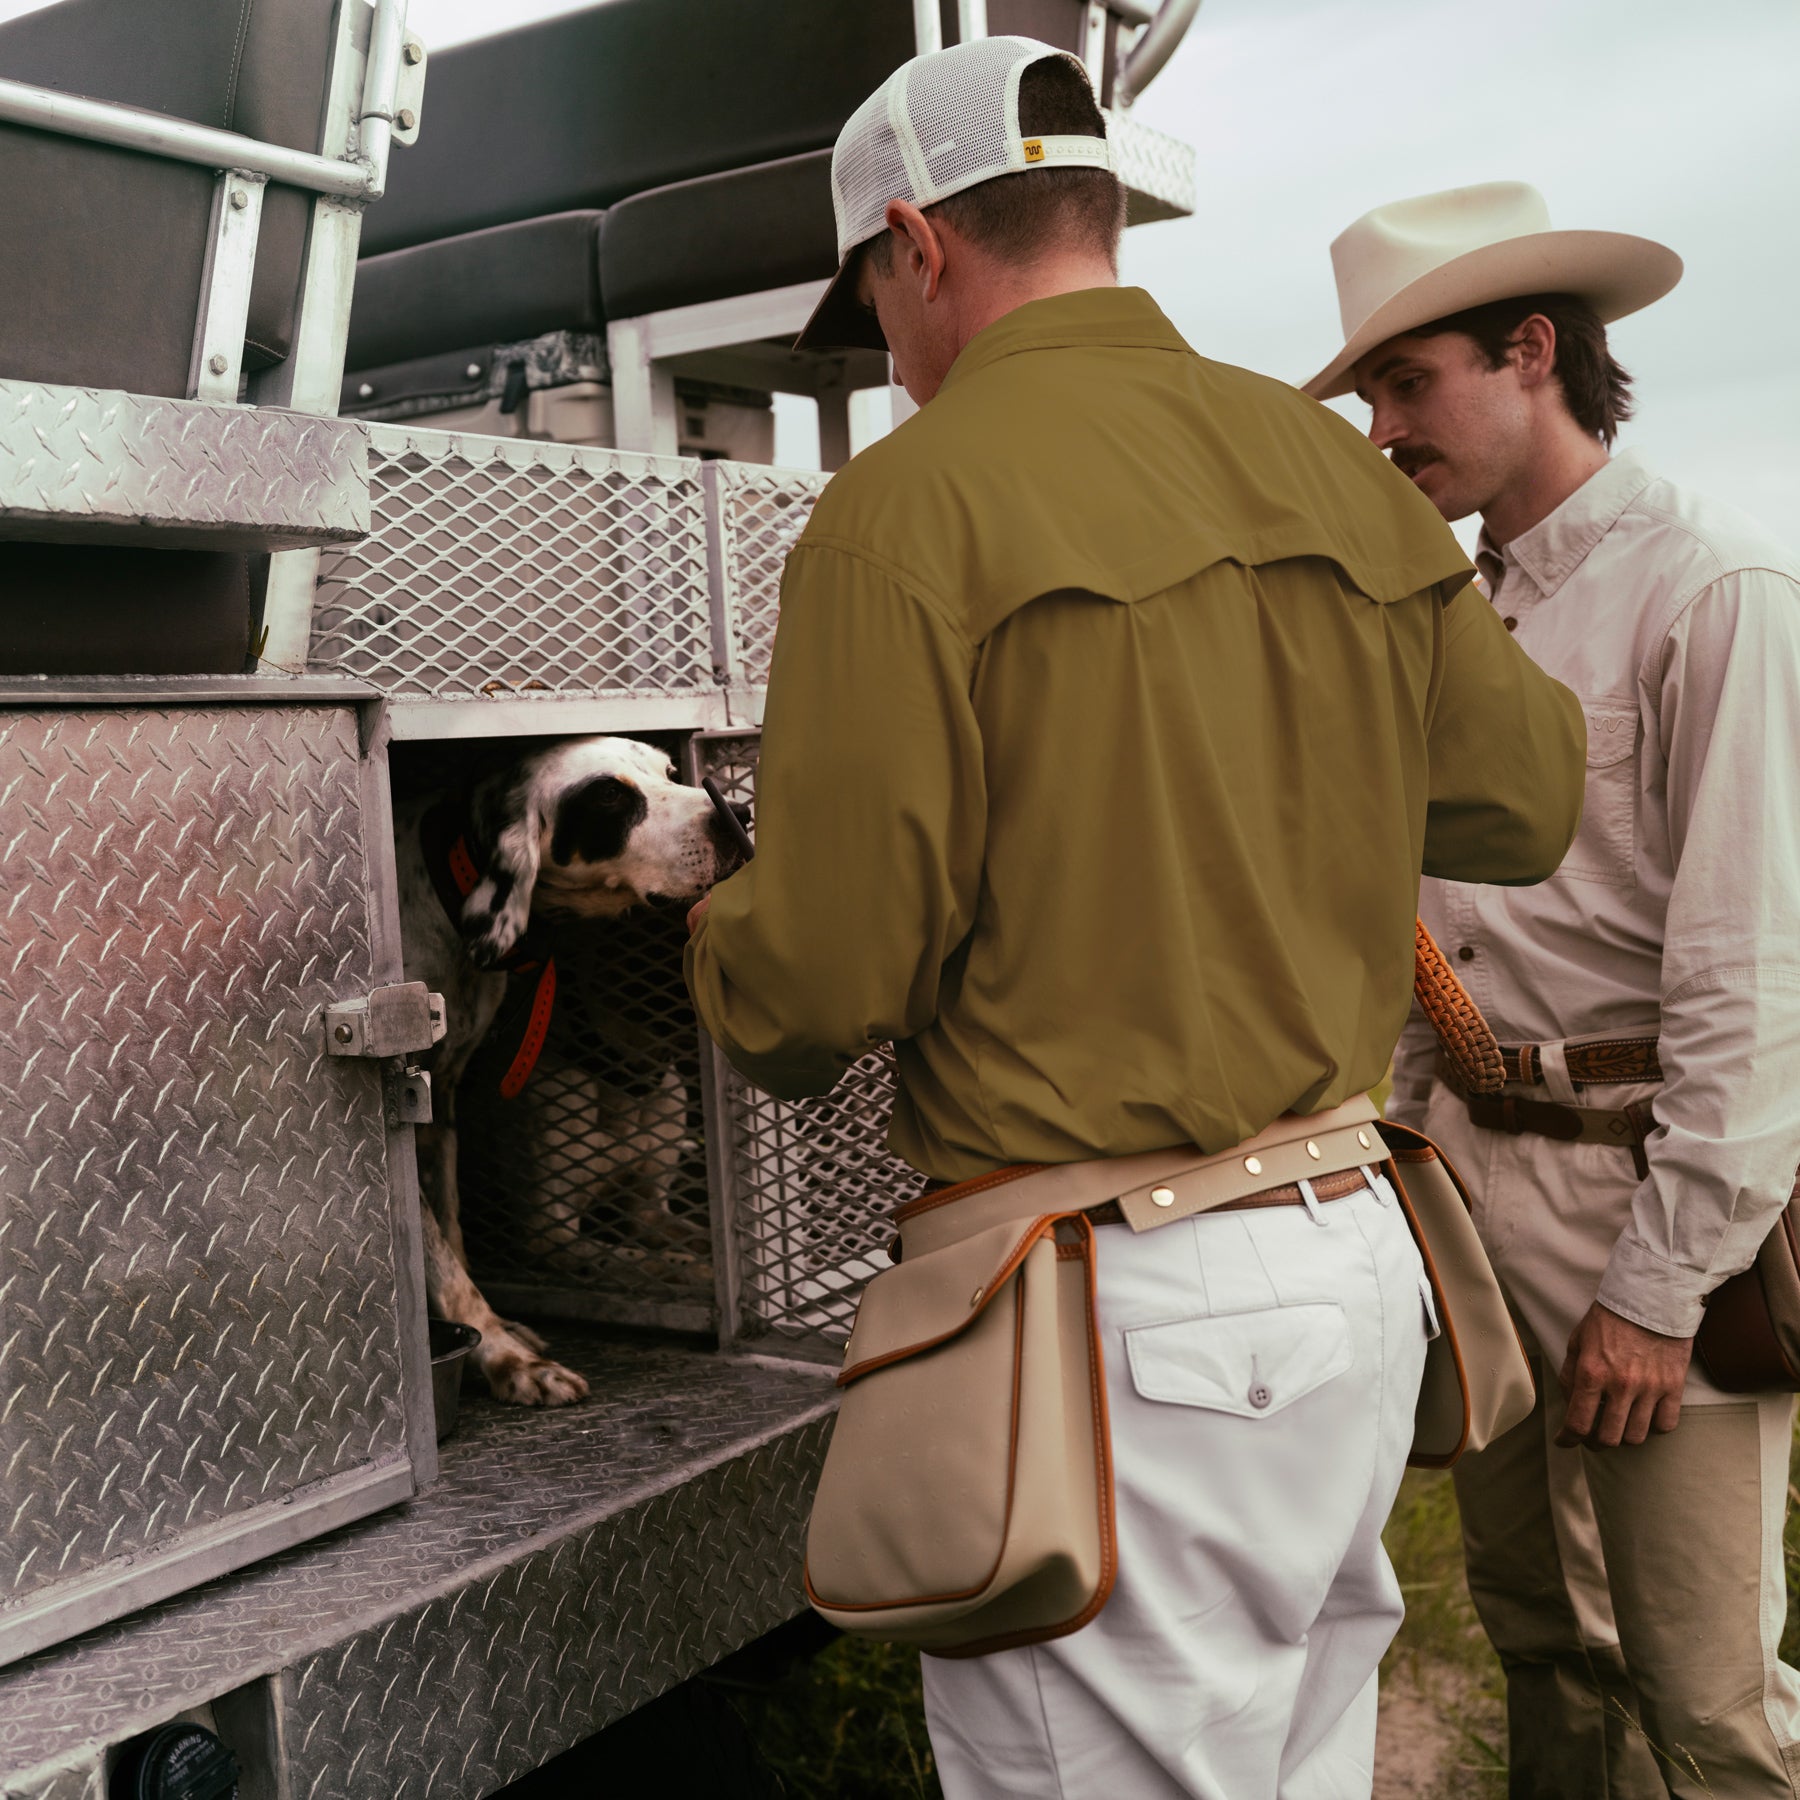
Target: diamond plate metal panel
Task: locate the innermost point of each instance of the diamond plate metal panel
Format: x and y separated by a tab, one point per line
86	465
565	1568
811	1185
1157	170
761	513
506	567
197	1282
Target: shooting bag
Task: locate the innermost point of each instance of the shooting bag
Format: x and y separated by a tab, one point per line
966	1503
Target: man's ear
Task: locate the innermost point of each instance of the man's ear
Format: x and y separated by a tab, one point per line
506	823
919	247
1533	348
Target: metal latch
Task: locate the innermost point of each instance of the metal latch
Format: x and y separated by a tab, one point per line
392	1021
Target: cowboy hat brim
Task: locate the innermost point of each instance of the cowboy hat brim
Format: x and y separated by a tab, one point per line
1614	272
840	321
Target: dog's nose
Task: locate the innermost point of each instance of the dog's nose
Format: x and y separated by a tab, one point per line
742	812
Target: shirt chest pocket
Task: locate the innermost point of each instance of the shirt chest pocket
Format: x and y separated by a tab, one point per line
1605	845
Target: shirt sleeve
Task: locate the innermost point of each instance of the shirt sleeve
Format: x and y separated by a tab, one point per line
1723	1156
1508	750
871	821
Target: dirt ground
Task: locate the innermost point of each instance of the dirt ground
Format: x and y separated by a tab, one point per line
1434	1737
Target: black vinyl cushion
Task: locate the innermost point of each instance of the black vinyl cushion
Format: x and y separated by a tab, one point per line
85	609
582	110
722	235
105	246
484	287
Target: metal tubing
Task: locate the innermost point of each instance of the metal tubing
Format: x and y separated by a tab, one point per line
98	121
971	21
375	117
928	28
1153	49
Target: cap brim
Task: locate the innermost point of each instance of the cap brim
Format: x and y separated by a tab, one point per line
840	321
1611	270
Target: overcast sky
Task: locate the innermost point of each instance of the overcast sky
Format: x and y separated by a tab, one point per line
1676	119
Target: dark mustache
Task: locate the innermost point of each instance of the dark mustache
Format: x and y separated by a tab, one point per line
1409	459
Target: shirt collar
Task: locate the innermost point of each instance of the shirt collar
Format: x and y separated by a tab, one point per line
1553	549
1090	317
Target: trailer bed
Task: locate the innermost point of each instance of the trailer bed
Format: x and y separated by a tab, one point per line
565	1568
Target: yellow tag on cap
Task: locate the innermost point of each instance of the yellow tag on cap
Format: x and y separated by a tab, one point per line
1034	150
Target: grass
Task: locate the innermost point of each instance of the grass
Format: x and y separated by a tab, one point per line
850	1724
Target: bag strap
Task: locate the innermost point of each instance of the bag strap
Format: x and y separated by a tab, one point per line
1464	1035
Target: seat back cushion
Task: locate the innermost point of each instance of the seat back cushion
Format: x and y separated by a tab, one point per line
582	110
107	245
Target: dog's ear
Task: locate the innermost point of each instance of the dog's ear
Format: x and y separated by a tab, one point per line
505	825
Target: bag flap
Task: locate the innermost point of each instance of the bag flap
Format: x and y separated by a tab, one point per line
929	1299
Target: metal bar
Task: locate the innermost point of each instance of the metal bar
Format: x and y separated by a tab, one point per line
1133	12
1093	48
419	720
725	656
218	356
971	20
643	394
744	319
721	1191
100	122
1154	49
834	428
928	27
182	690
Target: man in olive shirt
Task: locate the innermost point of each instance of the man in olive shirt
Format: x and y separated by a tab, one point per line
1118	700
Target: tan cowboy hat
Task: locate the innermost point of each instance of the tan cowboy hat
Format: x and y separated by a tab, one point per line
1404	265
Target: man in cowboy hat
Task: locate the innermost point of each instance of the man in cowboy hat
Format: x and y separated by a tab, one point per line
1648	999
1102	750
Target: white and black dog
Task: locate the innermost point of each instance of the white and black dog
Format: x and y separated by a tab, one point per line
589	828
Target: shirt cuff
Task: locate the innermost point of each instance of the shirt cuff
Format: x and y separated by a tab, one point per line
1661	1296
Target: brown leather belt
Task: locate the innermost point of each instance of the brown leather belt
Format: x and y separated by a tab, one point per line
1590	1065
1625	1128
1324	1187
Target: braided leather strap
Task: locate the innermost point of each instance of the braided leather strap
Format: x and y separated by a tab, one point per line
1467	1038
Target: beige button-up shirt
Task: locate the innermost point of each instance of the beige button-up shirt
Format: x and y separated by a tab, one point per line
1677	911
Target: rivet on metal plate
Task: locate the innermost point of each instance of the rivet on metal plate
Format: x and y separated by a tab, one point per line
1253	1164
1161	1196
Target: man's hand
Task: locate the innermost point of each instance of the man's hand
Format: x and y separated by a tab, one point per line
697	912
1623	1381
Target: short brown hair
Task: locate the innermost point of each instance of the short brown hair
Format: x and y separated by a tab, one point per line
1016	217
1595	389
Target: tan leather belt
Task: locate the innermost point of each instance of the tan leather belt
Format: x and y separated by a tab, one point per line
1590	1065
1157	1187
1327	1187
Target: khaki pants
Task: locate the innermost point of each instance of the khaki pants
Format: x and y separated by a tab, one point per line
1635	1596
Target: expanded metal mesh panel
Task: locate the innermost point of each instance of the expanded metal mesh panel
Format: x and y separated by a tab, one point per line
499	566
586	1192
761	513
813	1185
197	1279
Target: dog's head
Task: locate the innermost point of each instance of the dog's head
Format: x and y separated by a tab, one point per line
590	827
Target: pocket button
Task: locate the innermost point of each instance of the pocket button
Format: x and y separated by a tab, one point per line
1259	1395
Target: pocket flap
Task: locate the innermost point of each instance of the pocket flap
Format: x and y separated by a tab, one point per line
1249	1363
930	1298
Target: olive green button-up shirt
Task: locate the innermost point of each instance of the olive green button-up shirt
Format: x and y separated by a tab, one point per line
1118	699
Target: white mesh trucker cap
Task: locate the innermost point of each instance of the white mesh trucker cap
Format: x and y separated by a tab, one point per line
937	125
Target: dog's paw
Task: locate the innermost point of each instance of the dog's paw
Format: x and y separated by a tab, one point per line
526	1336
520	1378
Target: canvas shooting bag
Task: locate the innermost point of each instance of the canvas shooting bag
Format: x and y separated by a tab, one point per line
966	1504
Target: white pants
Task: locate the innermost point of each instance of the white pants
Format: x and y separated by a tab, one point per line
1261	1370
